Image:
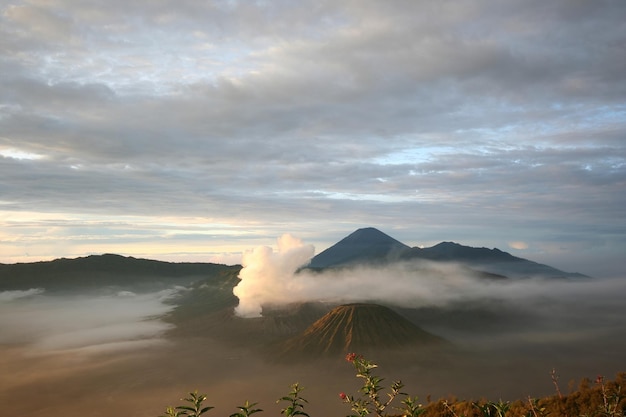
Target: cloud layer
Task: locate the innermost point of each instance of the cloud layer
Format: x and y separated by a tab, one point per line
188	131
274	278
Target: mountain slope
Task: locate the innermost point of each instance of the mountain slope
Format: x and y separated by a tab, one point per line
104	270
447	251
371	246
492	261
357	327
365	245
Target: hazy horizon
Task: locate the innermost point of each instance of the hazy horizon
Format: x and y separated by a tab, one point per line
115	345
311	251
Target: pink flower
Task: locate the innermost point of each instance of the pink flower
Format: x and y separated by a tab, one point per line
343	395
351	357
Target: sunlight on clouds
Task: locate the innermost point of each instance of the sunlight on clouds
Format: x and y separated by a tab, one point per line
20	154
518	245
26	236
366	197
234	258
412	155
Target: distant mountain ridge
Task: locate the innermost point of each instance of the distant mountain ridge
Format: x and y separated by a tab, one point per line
366	246
445	251
370	246
107	269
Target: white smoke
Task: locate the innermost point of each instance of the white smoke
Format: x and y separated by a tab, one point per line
267	275
271	277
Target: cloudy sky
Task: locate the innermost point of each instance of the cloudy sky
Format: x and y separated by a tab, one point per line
196	130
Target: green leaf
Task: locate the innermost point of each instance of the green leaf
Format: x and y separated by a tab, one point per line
185	407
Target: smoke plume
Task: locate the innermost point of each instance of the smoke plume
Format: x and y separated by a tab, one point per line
273	277
267	276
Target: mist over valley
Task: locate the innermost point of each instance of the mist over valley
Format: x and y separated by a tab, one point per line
109	334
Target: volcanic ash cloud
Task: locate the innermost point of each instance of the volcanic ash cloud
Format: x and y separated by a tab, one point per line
267	273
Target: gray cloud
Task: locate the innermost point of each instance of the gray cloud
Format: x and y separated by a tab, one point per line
469	120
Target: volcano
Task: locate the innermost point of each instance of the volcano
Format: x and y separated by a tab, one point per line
358	327
371	247
364	246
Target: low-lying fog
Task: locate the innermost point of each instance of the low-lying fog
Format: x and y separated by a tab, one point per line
104	354
55	323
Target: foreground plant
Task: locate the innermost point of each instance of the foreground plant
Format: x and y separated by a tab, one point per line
612	397
295	402
605	399
246	410
196	408
493	409
370	401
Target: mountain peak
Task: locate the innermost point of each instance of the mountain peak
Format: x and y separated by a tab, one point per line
364	245
358	327
368	233
369	246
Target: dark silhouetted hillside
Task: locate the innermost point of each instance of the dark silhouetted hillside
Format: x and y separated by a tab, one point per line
364	246
103	270
451	251
371	246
